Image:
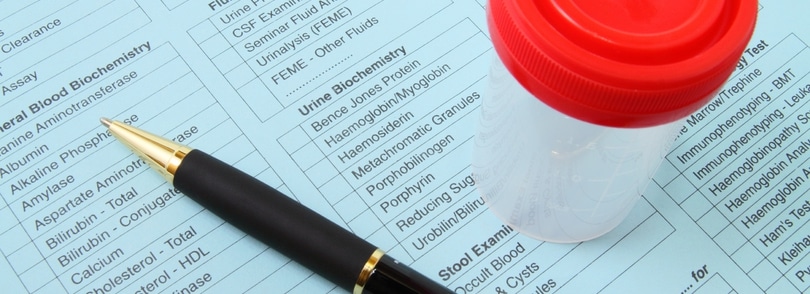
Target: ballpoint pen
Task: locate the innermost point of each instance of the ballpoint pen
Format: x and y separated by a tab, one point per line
273	218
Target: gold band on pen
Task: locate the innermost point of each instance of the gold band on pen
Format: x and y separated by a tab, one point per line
174	162
368	269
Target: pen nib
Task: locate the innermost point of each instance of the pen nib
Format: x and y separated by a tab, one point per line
105	121
162	154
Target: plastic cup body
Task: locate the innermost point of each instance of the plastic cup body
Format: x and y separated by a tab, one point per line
554	177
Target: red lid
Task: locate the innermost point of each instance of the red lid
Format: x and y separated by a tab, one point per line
622	63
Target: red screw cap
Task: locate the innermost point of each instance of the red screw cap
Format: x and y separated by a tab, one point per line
622	63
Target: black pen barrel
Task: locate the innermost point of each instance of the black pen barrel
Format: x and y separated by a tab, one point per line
273	218
392	277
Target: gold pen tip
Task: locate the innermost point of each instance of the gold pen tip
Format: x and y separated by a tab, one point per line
105	121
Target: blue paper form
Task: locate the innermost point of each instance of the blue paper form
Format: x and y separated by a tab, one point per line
365	112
